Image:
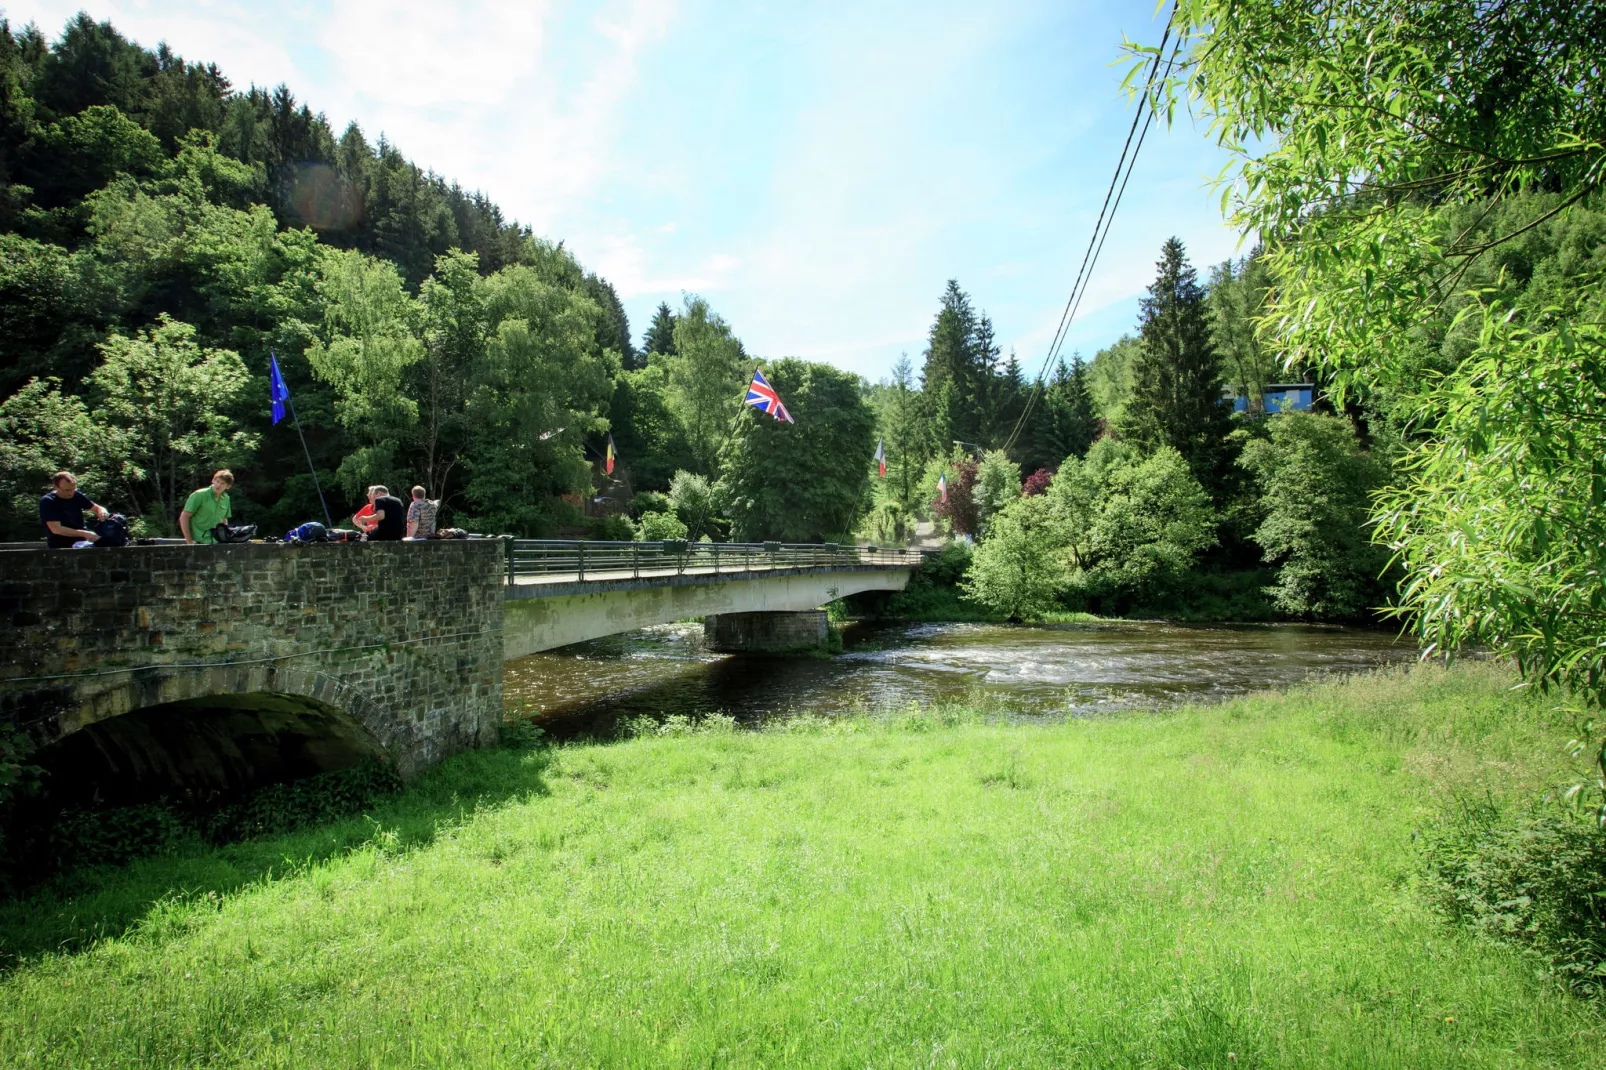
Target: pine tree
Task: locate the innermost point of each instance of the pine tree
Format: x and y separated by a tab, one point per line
956	379
1176	377
660	336
1070	416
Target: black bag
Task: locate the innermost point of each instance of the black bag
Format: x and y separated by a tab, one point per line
225	533
113	531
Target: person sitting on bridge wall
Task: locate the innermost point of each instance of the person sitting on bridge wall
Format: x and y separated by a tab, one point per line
363	519
207	508
421	516
389	517
62	513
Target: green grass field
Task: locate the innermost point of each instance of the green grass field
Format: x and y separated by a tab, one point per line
1226	886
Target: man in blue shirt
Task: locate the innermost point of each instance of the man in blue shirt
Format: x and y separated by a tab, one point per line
62	513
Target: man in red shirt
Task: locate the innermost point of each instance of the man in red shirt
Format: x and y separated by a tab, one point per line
364	518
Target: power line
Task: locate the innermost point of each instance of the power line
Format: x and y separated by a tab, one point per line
1141	121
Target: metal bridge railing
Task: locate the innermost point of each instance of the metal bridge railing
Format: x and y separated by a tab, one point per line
553	561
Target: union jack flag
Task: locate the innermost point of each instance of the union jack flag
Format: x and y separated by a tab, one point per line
762	396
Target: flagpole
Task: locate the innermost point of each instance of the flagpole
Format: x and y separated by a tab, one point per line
328	520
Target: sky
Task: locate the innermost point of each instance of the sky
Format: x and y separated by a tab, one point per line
816	171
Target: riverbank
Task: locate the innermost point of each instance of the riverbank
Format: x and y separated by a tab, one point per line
1233	885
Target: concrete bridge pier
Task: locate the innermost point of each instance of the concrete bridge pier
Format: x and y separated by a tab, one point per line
774	632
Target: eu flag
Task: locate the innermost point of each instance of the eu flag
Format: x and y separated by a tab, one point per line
277	391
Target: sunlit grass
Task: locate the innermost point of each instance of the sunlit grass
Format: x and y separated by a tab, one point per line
1229	886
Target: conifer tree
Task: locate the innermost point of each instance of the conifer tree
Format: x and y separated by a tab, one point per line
1069	413
1176	377
956	379
660	336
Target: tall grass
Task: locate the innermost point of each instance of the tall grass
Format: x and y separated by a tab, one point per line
1225	886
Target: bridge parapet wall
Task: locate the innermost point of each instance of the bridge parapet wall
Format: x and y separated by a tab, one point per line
405	637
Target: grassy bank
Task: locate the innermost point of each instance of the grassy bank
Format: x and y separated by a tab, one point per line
1232	886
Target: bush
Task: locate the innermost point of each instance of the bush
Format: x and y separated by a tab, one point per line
692	500
649	501
1536	880
55	842
613	528
658	527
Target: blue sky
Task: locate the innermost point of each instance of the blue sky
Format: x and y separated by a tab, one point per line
816	171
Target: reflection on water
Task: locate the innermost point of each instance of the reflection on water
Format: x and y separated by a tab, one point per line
1032	670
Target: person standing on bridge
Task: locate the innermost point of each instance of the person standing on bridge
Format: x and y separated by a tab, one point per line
62	513
390	518
207	508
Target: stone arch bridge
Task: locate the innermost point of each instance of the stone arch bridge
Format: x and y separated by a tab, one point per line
227	666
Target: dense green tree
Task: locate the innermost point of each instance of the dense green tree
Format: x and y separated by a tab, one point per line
163	407
453	331
1132	528
1316	489
998	483
613	329
656	526
649	440
901	426
44	430
1238	298
803	481
1363	130
706	376
1018	570
368	344
1109	378
1176	375
1070	421
540	392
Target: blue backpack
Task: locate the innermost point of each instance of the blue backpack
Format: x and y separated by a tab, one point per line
310	532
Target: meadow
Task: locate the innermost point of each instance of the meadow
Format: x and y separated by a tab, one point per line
1234	886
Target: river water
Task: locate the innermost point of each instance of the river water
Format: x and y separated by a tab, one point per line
1048	670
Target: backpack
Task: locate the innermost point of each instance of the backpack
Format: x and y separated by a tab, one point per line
225	533
310	532
113	531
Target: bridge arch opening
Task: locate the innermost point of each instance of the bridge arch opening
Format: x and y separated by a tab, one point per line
211	748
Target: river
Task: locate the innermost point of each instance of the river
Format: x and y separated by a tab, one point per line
1049	670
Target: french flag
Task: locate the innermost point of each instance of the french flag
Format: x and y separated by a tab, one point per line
881	458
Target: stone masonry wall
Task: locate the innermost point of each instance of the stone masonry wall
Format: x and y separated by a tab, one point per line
405	637
762	633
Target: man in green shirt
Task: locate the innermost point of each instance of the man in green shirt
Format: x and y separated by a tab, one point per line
207	508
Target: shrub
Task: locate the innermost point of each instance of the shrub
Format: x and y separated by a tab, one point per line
692	500
649	501
1536	880
657	527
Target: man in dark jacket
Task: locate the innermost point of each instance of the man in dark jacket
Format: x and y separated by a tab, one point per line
62	513
390	517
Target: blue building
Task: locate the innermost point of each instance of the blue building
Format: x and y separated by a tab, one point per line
1280	397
